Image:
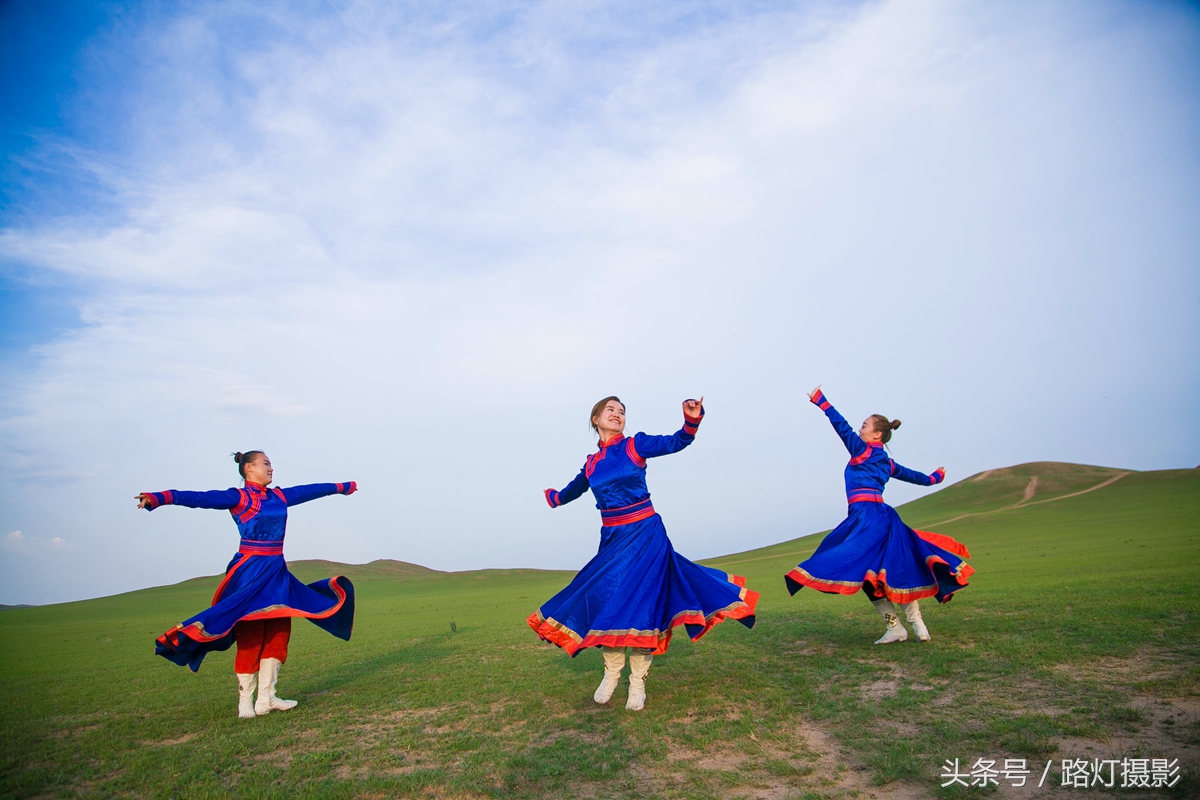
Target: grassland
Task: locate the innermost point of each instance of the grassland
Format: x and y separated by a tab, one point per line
1078	636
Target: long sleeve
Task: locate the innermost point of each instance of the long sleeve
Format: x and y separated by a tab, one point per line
647	446
295	495
852	440
218	499
573	491
907	475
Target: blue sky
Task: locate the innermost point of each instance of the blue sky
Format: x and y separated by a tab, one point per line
411	247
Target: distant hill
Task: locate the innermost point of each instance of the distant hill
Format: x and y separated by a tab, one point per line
315	569
980	496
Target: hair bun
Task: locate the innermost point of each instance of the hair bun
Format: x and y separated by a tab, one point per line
237	458
895	424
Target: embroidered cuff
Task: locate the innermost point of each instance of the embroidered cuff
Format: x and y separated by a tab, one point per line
937	477
347	488
692	424
819	401
552	498
159	499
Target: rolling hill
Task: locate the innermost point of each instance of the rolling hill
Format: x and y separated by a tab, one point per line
1078	636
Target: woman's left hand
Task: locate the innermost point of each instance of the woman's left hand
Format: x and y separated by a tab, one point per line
693	408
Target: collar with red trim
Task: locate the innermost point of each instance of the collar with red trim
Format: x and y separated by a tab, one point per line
618	438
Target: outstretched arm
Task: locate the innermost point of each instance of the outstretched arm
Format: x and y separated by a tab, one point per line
849	437
295	495
573	491
647	446
907	475
226	499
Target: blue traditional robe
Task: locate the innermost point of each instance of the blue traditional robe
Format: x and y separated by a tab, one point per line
873	547
636	589
257	583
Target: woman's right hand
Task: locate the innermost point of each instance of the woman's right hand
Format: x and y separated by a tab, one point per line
143	500
813	393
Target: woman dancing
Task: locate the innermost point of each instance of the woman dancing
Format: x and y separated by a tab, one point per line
873	549
258	597
637	589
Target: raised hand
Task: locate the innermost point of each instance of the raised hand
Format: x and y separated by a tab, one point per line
813	393
143	500
692	408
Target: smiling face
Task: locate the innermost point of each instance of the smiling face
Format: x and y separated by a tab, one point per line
259	470
868	431
610	421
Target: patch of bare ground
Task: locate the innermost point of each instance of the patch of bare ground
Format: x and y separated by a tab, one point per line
62	733
1164	731
280	757
803	762
884	687
803	648
368	732
1160	727
187	737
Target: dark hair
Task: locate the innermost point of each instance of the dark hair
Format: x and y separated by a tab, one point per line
885	426
596	409
248	457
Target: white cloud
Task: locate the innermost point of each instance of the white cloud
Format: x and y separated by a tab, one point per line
412	254
18	542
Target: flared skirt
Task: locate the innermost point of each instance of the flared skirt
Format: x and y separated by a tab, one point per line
258	587
636	591
873	548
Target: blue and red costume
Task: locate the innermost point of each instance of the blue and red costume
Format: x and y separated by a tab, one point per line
257	584
636	589
872	549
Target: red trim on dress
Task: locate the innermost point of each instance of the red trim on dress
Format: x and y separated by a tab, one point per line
550	499
253	548
627	519
864	455
243	504
660	641
945	542
228	575
631	451
193	632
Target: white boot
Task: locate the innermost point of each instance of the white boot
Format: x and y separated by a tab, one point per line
268	673
614	661
895	631
246	684
639	665
912	611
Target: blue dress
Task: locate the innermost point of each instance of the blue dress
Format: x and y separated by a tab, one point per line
257	583
637	589
873	547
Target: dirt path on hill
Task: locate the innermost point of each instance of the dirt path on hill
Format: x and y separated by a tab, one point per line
1030	491
1025	501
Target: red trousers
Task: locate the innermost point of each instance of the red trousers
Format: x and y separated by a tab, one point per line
259	639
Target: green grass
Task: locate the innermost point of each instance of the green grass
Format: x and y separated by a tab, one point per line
1080	610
